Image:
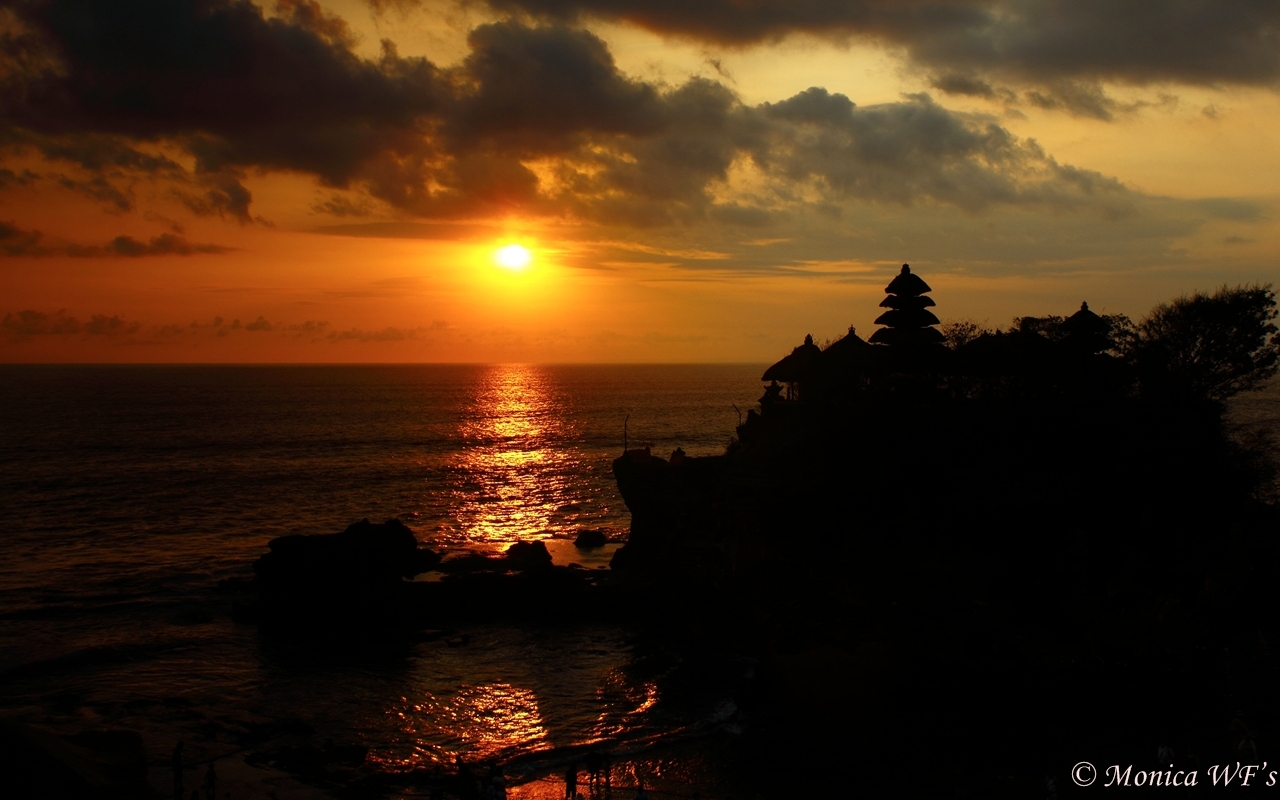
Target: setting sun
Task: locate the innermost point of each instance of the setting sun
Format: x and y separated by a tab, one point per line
513	256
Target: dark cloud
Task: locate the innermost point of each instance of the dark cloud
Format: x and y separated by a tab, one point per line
10	178
385	335
245	89
164	244
1230	208
1136	41
109	164
538	90
737	23
341	206
917	151
99	188
219	193
536	120
239	90
26	325
102	325
669	175
15	241
955	83
1077	99
1205	42
97	152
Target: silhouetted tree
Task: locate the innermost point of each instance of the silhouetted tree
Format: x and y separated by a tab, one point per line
1212	346
959	332
1123	333
1049	327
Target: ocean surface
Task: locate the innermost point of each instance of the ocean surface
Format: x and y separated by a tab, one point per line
129	491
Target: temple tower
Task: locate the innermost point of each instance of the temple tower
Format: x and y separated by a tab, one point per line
908	322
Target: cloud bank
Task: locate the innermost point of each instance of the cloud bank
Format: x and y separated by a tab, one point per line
536	120
1064	47
15	242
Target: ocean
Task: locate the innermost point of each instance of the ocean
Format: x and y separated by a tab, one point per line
129	492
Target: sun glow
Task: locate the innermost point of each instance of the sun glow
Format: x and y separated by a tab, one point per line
513	257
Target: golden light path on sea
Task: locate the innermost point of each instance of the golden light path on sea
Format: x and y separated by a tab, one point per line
516	478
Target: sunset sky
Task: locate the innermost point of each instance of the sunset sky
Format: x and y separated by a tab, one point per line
206	180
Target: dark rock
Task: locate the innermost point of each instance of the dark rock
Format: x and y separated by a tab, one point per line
590	539
467	563
350	582
364	556
528	555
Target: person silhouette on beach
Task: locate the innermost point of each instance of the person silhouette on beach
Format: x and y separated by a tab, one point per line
497	783
571	781
437	790
592	761
210	783
466	780
177	771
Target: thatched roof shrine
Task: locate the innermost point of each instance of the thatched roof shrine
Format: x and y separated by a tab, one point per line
1086	331
850	353
796	367
1085	322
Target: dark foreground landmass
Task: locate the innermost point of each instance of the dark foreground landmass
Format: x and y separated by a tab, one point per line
959	569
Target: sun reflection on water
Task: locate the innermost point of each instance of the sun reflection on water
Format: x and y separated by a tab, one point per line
513	483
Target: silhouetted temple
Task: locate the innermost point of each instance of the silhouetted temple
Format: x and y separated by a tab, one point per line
908	357
797	368
1086	332
908	342
1052	509
908	320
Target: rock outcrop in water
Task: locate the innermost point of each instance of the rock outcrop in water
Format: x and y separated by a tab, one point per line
523	556
327	577
364	556
357	583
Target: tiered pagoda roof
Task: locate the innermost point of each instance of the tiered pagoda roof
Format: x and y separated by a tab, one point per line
908	320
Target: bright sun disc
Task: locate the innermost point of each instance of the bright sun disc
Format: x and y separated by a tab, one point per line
513	256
